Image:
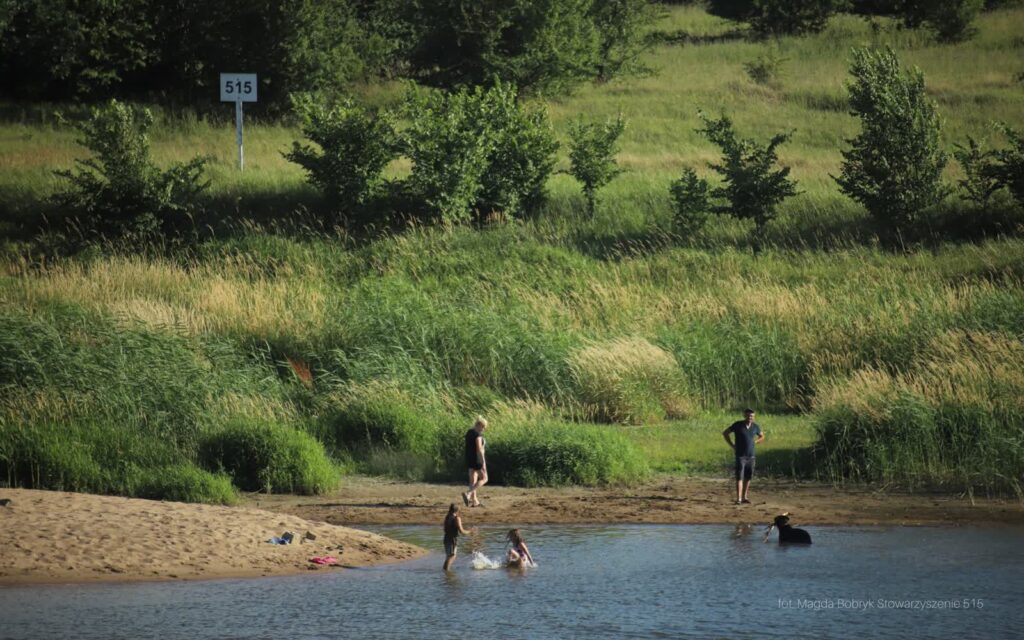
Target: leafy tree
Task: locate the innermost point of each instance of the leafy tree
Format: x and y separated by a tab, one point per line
792	17
119	191
352	149
592	151
894	166
753	187
60	49
621	26
540	46
950	19
690	196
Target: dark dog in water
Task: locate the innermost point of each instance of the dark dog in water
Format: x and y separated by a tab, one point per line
787	534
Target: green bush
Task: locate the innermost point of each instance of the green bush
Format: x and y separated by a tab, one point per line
752	188
690	197
894	167
120	192
1009	166
261	456
592	150
981	180
522	157
766	68
792	17
478	151
185	483
547	453
354	148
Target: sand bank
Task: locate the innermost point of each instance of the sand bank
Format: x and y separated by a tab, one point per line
53	536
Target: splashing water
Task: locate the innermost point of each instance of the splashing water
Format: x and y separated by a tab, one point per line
480	561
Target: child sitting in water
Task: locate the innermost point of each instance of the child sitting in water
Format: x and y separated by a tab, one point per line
518	555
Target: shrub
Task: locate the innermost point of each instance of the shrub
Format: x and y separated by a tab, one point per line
185	483
766	68
791	17
1009	167
980	181
690	200
628	380
120	192
262	456
951	20
894	167
753	187
478	150
448	144
548	453
592	154
354	147
522	156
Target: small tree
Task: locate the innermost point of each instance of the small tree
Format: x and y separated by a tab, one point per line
981	180
592	151
119	191
894	167
352	149
753	187
690	197
792	17
951	20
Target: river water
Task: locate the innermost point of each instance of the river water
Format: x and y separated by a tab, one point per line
673	581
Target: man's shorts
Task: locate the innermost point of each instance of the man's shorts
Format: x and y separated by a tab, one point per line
744	467
451	545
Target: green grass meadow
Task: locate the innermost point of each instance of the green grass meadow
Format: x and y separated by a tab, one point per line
601	350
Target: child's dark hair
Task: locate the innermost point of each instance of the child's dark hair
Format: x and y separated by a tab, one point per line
454	509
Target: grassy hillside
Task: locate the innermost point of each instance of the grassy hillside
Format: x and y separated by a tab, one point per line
600	349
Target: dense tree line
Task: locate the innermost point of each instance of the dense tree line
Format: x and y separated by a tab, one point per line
175	49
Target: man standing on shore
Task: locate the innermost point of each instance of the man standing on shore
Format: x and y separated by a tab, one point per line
476	461
747	433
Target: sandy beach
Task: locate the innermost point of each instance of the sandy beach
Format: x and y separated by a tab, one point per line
54	537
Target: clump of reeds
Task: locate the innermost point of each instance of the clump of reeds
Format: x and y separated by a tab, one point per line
628	380
955	417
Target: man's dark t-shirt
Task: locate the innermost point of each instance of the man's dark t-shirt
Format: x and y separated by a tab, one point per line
471	459
745	437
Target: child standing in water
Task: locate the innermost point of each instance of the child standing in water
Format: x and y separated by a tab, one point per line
452	529
518	554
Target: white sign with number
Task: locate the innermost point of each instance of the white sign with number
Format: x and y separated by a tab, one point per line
236	87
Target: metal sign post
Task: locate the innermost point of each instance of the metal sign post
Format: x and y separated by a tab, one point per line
238	88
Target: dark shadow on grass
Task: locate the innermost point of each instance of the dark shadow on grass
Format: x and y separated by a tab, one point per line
786	463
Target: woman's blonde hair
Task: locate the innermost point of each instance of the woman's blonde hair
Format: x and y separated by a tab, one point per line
514	537
480	422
